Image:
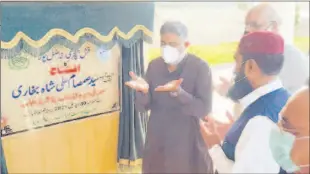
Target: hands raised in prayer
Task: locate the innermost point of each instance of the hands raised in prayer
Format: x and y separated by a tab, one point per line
137	83
223	88
213	131
171	86
209	138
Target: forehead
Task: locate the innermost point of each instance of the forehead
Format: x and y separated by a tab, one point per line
253	16
170	37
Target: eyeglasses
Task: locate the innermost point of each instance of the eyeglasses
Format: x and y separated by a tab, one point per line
285	125
254	25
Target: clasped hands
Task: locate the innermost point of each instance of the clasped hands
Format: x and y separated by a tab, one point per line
213	131
139	84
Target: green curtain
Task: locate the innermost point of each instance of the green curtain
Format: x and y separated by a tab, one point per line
3	164
132	128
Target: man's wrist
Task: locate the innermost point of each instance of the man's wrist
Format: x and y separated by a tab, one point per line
176	92
145	91
216	141
215	146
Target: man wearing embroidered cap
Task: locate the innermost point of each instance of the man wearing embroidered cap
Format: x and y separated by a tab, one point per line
295	71
245	147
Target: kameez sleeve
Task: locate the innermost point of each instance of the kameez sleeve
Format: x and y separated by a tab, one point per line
142	101
200	103
256	156
221	163
253	154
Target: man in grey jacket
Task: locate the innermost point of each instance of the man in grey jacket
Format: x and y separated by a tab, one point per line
295	70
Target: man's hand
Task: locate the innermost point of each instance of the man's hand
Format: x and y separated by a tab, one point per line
209	138
213	131
137	83
223	88
171	86
220	128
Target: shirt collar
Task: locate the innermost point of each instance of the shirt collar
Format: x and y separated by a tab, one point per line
180	65
182	62
259	92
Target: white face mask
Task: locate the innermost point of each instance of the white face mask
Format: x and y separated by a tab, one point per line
171	55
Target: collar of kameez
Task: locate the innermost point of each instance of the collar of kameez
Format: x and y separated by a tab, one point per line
259	92
182	62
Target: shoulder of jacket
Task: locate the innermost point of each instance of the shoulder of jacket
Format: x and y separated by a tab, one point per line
198	62
155	62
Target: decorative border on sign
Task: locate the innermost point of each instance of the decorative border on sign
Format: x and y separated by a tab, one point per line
22	46
62	122
74	38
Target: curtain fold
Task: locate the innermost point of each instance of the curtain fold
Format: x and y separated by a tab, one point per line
2	159
132	128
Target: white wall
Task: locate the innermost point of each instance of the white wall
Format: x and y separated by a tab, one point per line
217	22
207	22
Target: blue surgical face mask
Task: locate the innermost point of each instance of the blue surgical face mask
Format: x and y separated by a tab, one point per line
241	87
281	144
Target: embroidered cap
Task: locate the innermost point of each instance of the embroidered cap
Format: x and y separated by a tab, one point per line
261	42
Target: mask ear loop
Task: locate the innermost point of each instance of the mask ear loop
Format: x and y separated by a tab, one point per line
269	25
242	66
302	138
303	166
